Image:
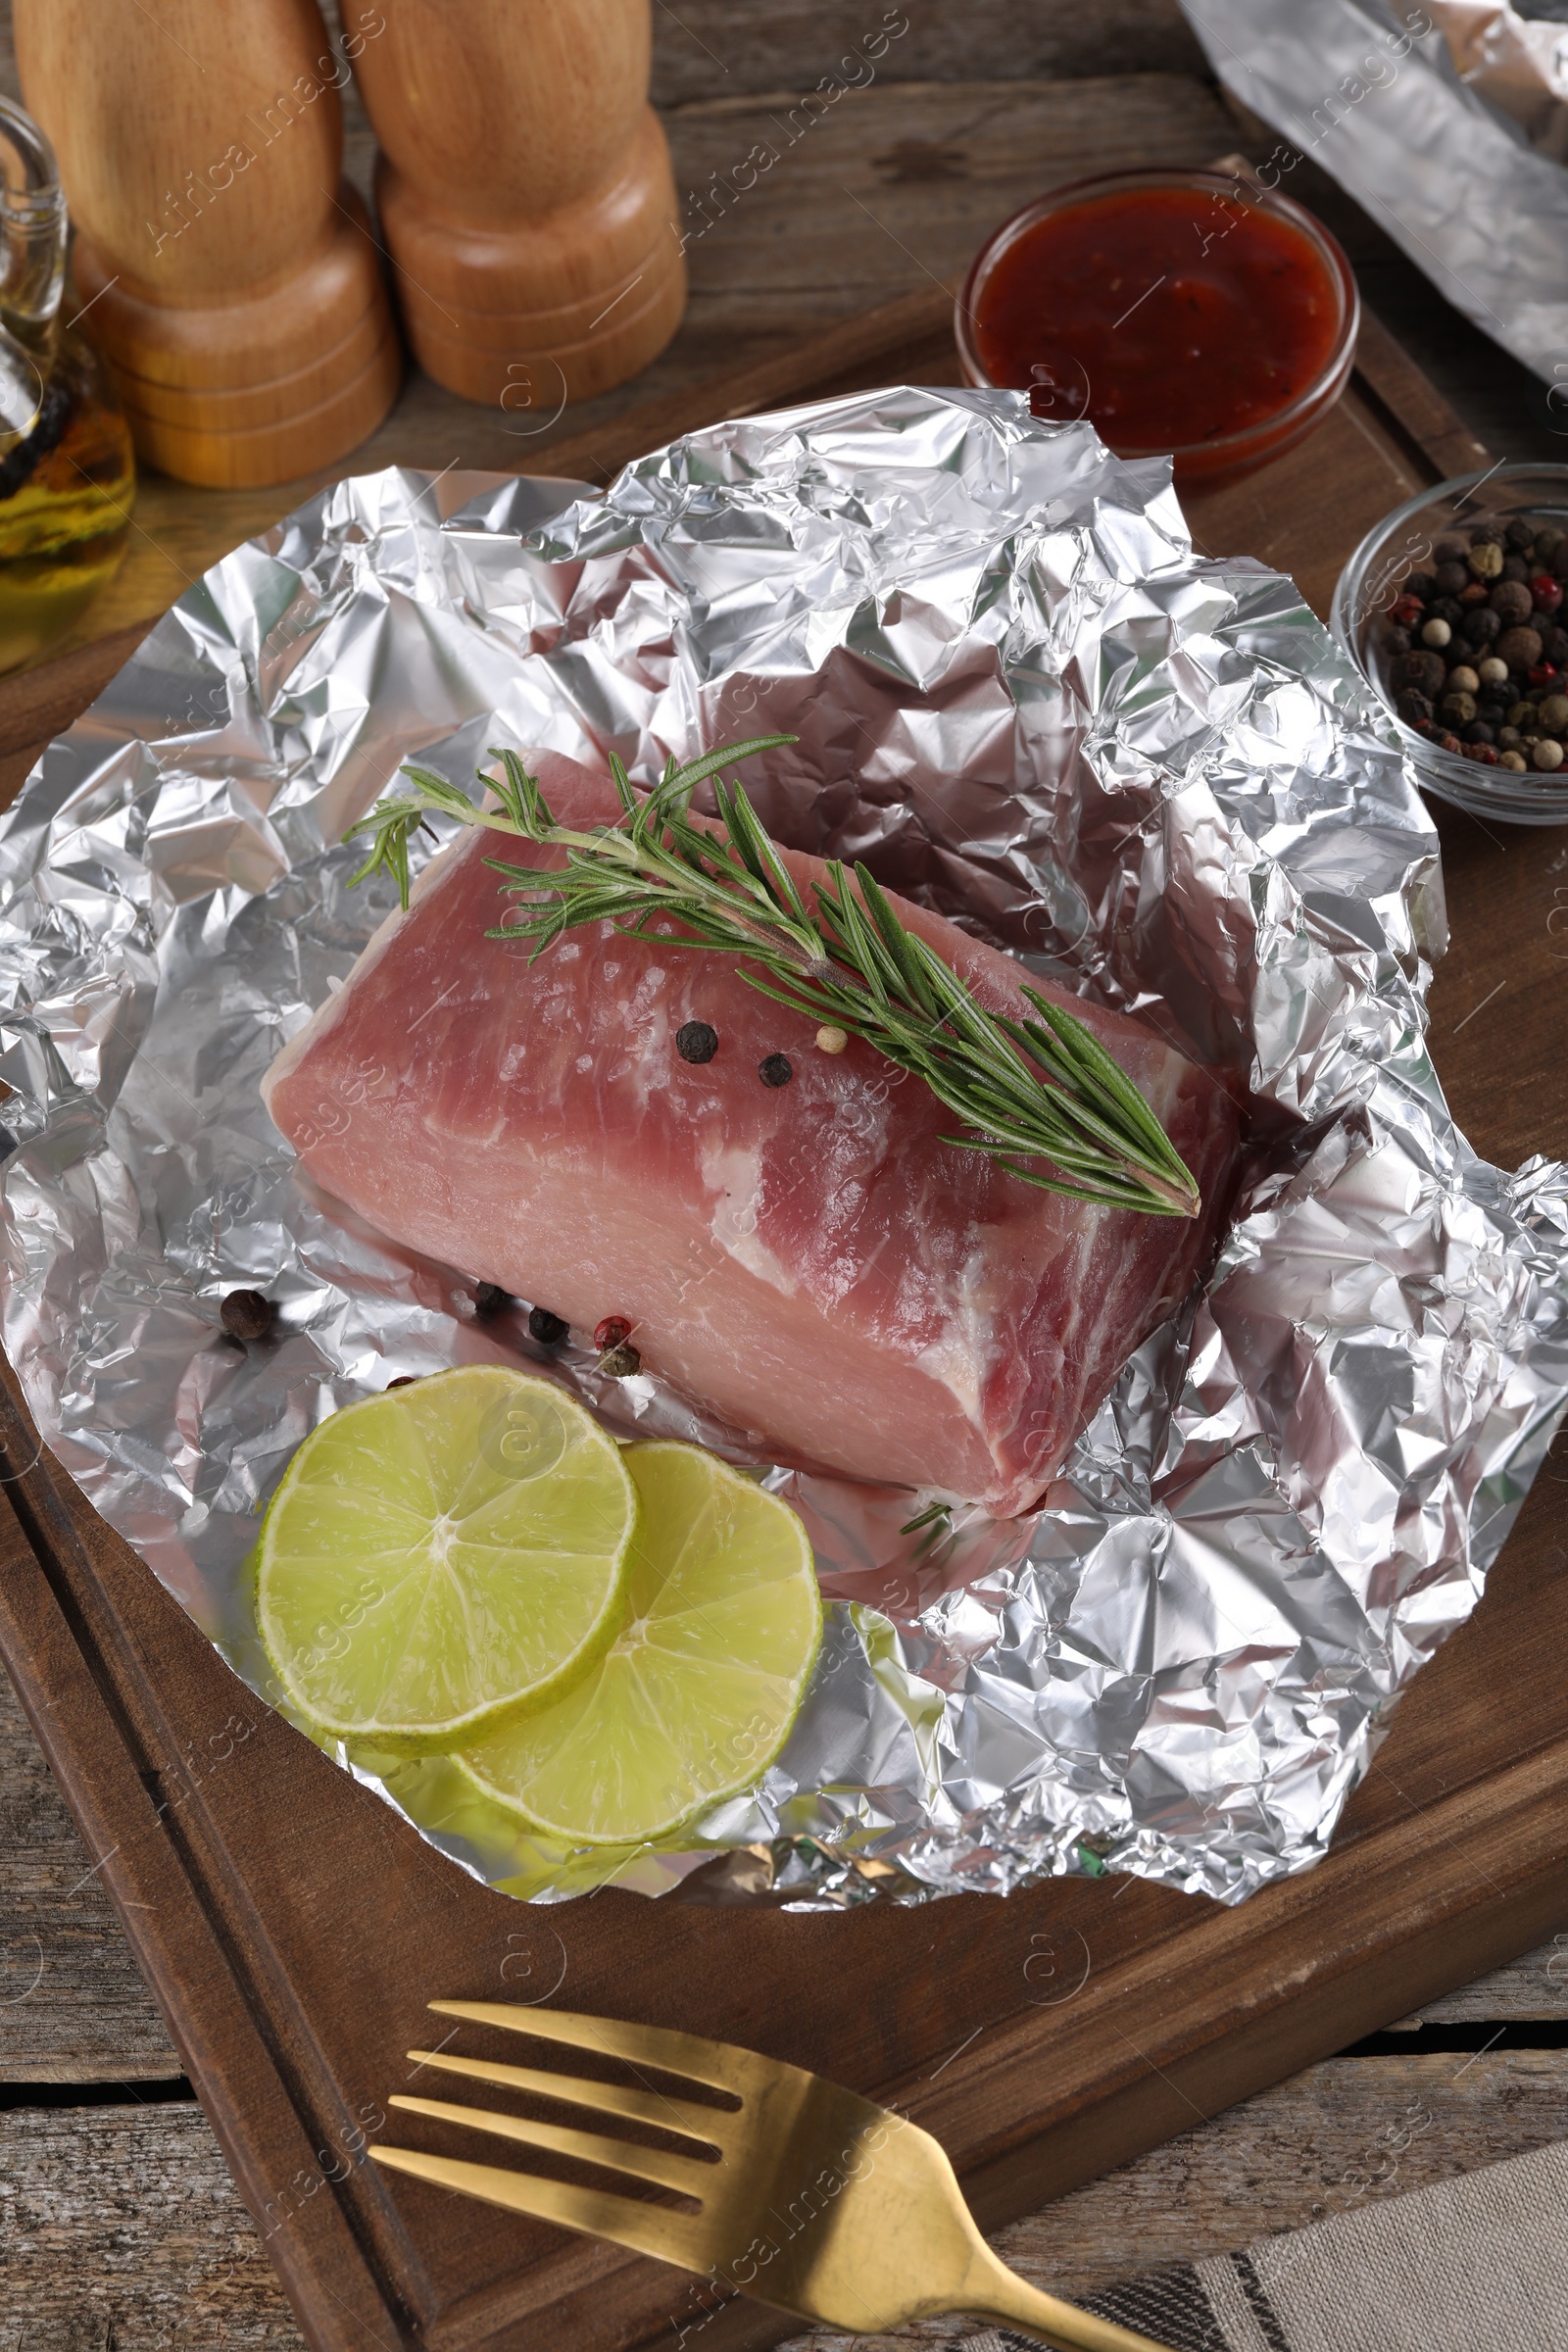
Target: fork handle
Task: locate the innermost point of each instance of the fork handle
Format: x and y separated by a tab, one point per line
993	2292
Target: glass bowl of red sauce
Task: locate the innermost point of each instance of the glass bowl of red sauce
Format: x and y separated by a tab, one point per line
1182	313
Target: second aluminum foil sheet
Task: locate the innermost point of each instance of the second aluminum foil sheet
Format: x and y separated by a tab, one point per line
1448	123
1025	702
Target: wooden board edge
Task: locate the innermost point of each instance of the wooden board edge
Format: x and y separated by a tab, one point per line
1201	2063
152	1867
912	328
1181	2063
1409	405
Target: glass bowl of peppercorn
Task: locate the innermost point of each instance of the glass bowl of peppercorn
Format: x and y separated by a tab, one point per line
1453	611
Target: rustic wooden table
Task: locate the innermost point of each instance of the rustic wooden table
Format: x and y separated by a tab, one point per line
119	2228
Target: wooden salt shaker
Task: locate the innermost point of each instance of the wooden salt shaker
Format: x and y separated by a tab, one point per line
525	192
228	276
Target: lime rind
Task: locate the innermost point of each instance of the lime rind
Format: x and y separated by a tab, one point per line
442	1559
698	1694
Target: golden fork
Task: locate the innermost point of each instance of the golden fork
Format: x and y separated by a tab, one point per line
818	2202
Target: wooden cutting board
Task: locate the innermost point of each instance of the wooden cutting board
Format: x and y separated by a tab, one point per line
293	1927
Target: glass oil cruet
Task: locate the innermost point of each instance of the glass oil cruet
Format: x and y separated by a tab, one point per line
67	478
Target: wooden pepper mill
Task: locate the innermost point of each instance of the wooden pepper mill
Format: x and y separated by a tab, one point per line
525	192
228	276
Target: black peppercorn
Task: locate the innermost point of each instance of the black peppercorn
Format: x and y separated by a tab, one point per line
776	1069
1481	624
1554	647
1424	671
1412	706
1449	578
620	1362
1446	608
696	1041
1514	567
1477	732
547	1329
1520	535
1422	584
489	1298
1396	641
246	1315
1519	648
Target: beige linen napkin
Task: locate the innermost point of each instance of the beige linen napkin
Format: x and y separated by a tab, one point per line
1481	2260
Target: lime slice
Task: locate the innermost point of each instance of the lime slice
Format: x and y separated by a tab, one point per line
696	1697
443	1556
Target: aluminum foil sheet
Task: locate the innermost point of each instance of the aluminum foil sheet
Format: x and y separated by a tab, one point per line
1448	123
1022	698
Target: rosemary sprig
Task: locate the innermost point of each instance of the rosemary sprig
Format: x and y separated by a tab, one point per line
1025	1091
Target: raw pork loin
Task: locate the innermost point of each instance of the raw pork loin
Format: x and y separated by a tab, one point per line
809	1259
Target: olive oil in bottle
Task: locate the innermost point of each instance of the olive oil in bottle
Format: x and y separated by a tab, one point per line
67	478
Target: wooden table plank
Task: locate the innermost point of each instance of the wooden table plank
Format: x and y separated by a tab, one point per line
1534	1989
72	2004
122	2227
707	46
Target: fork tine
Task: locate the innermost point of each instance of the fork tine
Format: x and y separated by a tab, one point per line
716	2063
658	2165
669	2113
646	2228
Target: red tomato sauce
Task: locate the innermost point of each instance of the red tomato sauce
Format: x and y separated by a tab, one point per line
1190	314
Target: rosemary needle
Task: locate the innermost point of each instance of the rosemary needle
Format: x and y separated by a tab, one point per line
1042	1089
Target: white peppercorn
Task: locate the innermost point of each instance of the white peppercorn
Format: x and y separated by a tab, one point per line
1513	761
1464	680
1546	752
1436	633
1492	672
1553	714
